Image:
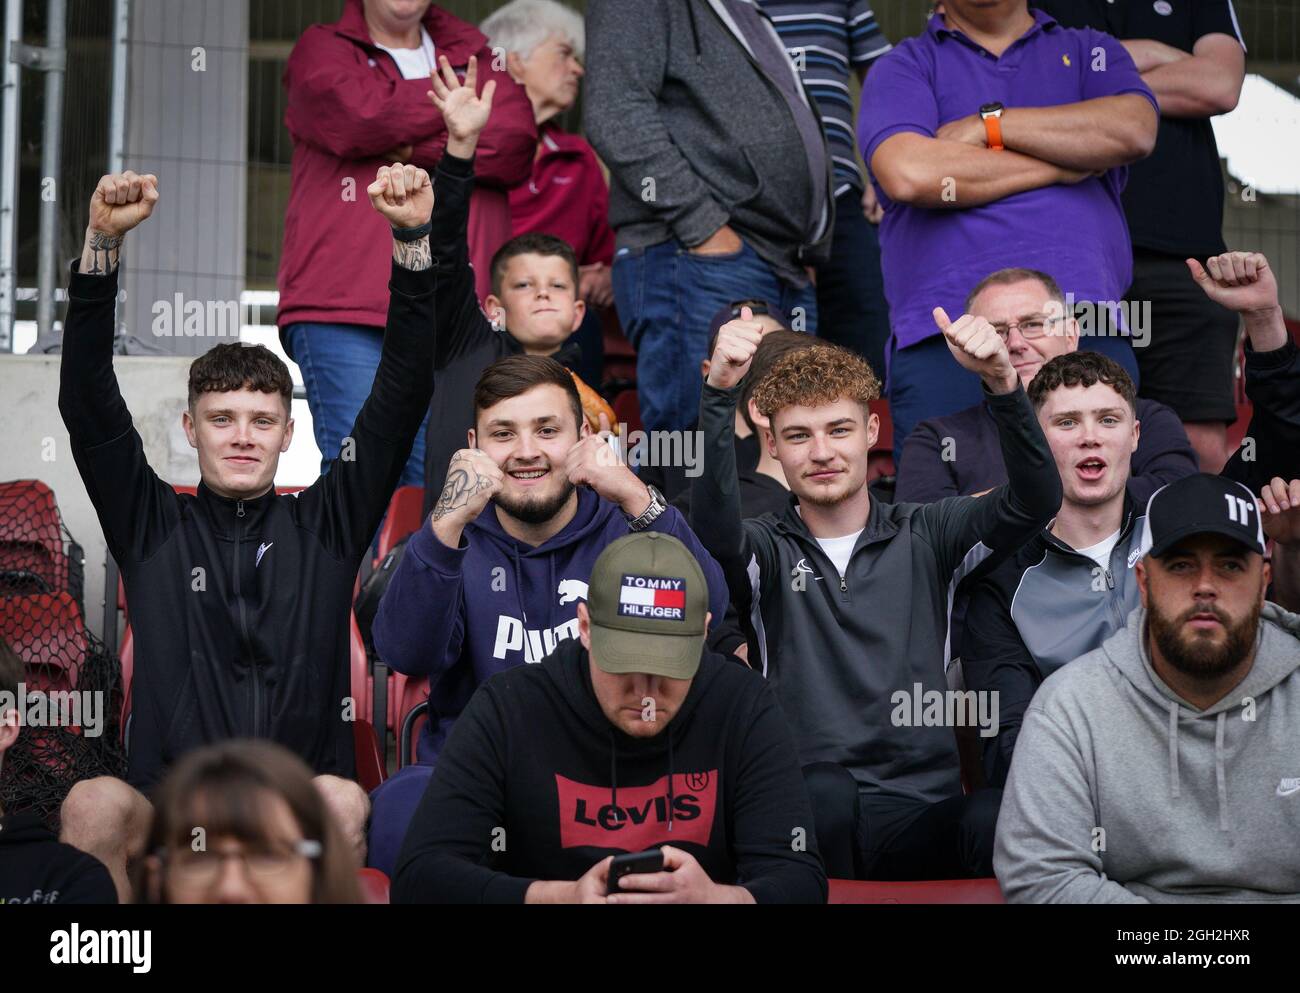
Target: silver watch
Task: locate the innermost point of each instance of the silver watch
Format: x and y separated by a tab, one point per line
651	514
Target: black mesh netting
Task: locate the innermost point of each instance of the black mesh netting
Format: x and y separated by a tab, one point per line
70	699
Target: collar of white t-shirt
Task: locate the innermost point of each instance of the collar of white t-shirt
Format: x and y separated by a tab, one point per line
414	63
1100	552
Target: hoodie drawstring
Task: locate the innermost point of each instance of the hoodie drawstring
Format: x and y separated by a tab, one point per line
1219	779
1173	749
671	772
519	583
613	775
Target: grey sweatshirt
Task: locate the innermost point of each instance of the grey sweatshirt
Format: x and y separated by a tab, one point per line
1122	792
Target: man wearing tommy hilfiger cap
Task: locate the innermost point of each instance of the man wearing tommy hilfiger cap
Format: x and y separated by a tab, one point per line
632	737
1162	767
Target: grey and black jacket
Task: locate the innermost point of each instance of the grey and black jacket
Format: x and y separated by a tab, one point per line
1045	606
839	649
696	135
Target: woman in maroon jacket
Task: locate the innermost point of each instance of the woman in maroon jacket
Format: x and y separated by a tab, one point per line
566	195
343	83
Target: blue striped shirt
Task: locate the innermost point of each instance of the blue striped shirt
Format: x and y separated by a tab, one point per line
828	39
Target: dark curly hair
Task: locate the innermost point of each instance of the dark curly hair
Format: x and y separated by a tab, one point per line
814	377
236	366
1081	369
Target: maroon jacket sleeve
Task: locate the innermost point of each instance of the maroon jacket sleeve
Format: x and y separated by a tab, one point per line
340	104
506	147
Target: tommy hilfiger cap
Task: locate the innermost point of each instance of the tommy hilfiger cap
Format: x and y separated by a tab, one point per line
648	601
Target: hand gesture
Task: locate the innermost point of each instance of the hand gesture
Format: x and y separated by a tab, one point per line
593	462
682	881
472	480
403	194
591	885
979	348
1279	508
737	342
871	206
465	111
121	201
1240	281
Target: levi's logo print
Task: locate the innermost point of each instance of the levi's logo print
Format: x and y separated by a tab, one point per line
587	818
656	597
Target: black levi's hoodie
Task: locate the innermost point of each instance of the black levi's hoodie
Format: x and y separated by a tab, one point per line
240	608
35	867
535	783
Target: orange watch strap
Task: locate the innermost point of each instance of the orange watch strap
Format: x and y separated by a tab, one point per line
993	129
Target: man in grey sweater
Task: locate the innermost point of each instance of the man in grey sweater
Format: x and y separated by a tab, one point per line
720	179
1162	766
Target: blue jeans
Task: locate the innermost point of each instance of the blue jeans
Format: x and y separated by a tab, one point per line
338	363
666	297
851	307
925	380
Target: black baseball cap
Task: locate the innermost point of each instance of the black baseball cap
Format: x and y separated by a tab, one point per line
648	601
1201	504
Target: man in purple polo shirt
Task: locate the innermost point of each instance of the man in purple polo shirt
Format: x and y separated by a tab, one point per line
998	138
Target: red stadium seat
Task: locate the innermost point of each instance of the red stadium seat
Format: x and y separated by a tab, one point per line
927	891
374	886
620	356
46	631
409	703
880	461
627	408
32	556
405	514
371	770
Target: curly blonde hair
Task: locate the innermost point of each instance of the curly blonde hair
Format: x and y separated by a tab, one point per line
814	377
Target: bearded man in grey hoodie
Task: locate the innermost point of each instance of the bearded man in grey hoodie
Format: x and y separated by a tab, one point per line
1162	767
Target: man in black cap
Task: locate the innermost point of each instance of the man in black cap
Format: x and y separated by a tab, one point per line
633	737
1161	767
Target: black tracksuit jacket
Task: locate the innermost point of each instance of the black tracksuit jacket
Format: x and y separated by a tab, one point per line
240	608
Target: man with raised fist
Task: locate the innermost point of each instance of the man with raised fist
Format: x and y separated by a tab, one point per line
495	578
848	599
239	596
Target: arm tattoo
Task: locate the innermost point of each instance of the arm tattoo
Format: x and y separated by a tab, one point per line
462	483
99	257
413	255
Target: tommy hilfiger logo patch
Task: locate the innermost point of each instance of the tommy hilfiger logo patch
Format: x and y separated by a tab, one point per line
659	597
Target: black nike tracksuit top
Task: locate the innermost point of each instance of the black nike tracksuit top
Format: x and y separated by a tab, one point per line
240	608
535	783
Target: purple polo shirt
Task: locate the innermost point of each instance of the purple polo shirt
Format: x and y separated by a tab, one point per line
1076	233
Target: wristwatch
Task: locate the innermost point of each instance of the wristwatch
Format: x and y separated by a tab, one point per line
992	115
651	514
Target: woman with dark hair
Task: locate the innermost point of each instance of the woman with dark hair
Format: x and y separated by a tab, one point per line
242	822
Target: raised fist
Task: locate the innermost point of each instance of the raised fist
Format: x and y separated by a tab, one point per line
737	342
978	347
121	201
472	480
403	194
1240	281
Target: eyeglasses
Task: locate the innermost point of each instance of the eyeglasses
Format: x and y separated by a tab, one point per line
1030	327
265	863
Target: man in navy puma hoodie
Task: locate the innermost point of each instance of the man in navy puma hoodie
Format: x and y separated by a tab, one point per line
632	737
495	578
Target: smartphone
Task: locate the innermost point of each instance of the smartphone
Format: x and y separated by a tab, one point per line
633	862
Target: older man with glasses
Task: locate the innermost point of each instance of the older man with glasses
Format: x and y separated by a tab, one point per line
959	454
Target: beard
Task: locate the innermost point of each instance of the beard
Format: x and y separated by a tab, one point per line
535	508
1199	656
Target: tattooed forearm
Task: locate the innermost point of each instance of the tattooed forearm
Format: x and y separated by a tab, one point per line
99	255
413	255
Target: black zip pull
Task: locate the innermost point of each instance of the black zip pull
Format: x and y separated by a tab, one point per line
844	587
239	509
1110	582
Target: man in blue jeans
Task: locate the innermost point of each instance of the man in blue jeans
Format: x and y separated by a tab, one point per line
721	179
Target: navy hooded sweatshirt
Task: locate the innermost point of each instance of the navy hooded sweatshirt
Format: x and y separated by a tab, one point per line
459	615
534	756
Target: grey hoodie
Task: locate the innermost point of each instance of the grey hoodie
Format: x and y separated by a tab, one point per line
1122	792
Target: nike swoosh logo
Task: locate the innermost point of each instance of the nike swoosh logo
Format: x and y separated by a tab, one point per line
1293	789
